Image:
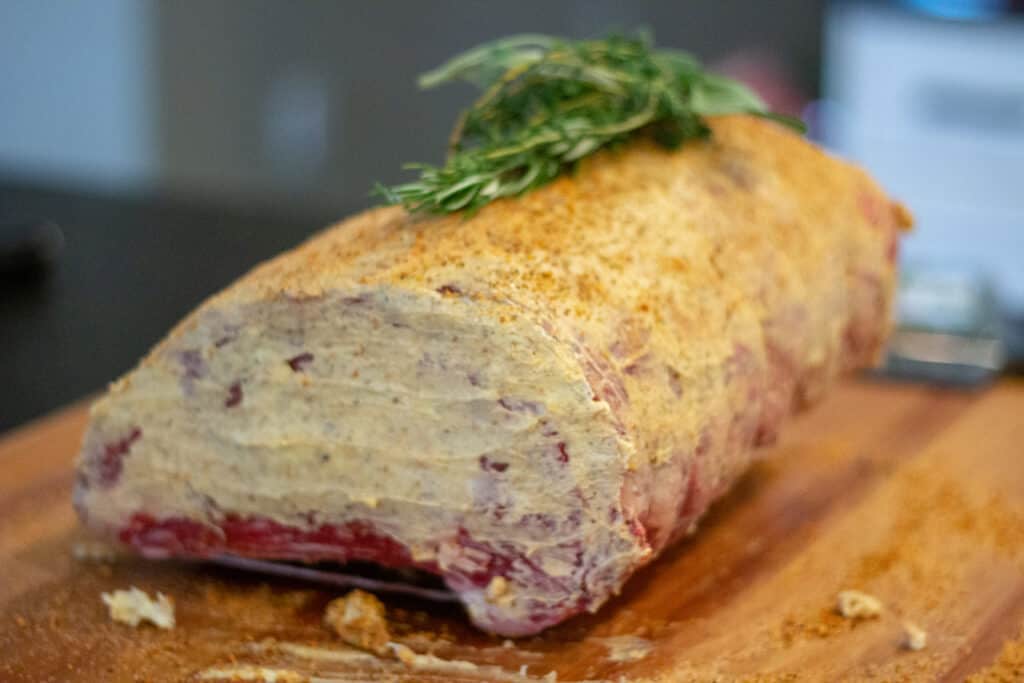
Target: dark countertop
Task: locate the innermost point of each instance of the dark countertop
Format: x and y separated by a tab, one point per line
129	269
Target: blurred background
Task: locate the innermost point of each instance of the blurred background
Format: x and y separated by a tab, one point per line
151	152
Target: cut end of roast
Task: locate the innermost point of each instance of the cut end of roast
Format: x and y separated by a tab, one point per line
404	430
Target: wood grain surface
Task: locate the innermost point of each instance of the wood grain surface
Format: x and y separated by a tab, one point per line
914	495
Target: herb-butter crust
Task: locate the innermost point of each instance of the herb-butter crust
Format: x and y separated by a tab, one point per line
531	402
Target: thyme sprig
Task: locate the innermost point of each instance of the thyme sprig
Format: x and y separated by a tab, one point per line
548	102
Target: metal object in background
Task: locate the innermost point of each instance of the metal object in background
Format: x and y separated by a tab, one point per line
949	329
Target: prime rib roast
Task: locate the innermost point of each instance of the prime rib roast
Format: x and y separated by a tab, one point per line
531	402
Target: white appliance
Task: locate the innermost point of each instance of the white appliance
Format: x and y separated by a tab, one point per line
935	109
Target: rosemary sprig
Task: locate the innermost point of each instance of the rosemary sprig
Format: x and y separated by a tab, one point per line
549	102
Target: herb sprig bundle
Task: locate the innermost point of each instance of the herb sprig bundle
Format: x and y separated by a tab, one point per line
549	102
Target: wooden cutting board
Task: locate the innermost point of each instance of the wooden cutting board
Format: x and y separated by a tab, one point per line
913	495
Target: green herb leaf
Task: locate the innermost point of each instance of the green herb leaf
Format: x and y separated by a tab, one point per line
547	103
711	95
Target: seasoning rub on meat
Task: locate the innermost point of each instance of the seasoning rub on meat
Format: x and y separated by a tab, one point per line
531	402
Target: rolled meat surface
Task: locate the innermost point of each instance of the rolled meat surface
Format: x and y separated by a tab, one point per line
531	402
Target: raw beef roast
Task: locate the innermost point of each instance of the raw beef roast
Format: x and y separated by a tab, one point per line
531	402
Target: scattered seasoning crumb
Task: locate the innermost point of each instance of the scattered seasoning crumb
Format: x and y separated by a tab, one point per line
403	653
411	659
507	644
497	589
359	619
854	604
134	606
626	648
253	673
916	638
95	551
